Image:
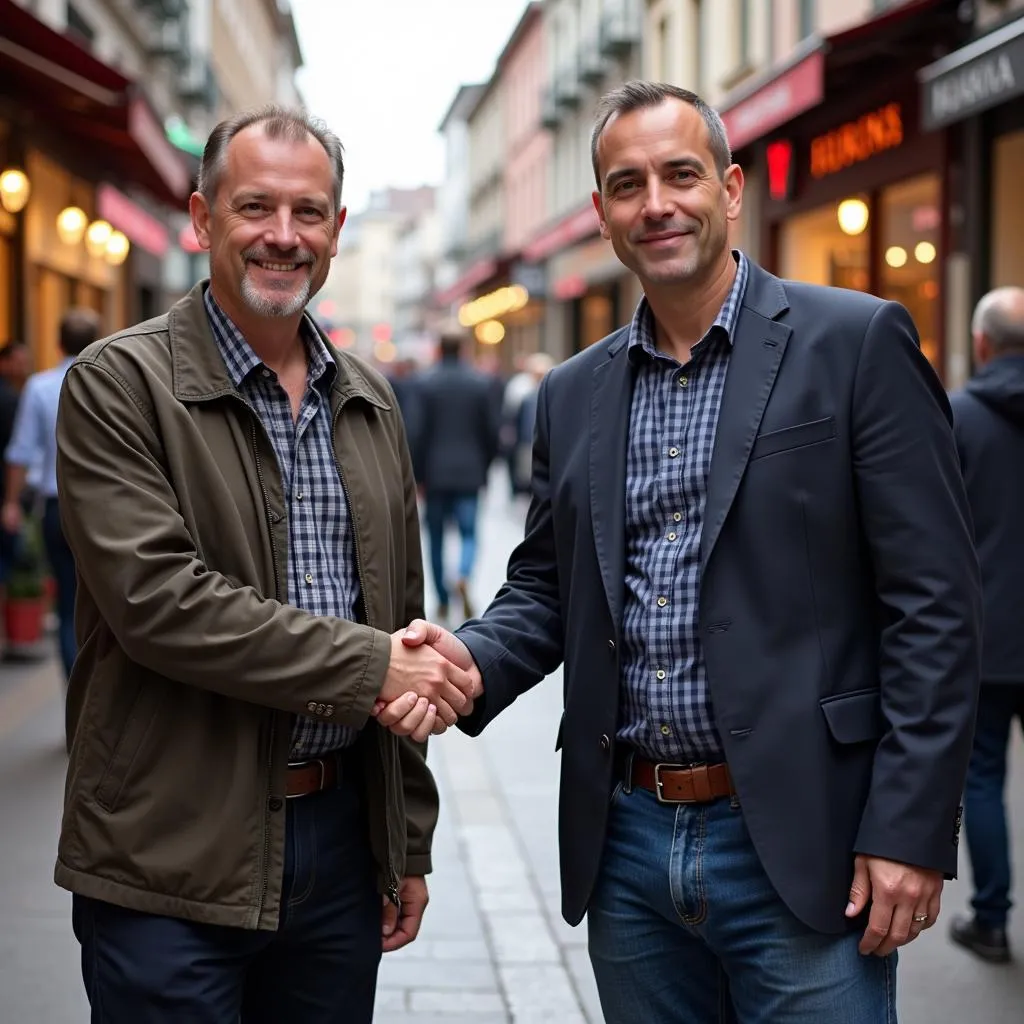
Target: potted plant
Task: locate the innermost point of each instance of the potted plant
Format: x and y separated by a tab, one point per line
25	610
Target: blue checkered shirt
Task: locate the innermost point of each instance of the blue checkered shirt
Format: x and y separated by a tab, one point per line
666	708
321	555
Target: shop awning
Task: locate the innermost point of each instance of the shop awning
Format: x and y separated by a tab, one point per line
72	94
834	63
974	78
478	272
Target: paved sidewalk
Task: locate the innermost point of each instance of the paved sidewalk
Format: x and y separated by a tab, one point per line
493	946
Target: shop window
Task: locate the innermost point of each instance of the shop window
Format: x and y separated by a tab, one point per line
910	218
1007	251
828	245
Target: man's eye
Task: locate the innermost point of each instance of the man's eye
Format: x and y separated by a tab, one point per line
253	207
625	186
309	211
680	175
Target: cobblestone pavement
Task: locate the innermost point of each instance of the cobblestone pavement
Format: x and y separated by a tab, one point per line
493	946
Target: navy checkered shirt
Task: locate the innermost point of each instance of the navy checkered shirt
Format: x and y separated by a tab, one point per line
665	704
322	575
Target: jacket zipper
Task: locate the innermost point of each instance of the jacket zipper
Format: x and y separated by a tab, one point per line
392	887
273	719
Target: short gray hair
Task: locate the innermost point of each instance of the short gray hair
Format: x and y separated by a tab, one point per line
999	316
639	95
278	123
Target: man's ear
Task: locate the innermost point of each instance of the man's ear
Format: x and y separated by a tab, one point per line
199	211
599	206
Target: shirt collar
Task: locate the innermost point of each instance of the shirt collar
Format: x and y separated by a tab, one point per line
641	329
241	360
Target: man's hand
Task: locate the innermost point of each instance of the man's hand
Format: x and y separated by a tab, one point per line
12	516
410	715
898	894
428	674
400	927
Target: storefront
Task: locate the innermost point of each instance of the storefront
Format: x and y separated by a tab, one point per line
70	126
855	201
975	92
847	189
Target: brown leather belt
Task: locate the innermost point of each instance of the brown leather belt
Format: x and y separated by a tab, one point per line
305	777
681	784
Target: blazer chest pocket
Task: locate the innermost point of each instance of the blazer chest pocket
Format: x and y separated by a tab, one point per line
854	717
799	436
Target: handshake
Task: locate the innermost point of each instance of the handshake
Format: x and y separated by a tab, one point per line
431	681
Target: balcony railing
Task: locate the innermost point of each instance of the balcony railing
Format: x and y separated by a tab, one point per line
592	67
621	27
568	91
550	111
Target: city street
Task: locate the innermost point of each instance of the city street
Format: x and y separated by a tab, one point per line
493	946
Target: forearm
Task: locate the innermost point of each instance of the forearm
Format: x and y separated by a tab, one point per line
14	481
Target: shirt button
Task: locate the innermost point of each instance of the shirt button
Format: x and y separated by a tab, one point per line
611	645
666	731
660	673
266	372
673	452
683	381
298	495
678	516
662	601
671	536
309	577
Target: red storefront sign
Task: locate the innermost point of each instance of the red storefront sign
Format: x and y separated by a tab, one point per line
143	229
793	92
577	226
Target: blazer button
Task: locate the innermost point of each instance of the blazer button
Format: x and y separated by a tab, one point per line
311	707
605	743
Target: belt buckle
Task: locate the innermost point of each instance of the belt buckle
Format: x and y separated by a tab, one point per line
659	785
319	761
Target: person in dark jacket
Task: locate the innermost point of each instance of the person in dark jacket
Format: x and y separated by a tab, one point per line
989	427
455	443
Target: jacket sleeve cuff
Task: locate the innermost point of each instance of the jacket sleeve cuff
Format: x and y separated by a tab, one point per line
376	668
418	865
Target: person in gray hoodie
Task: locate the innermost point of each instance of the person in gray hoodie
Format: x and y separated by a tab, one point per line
989	427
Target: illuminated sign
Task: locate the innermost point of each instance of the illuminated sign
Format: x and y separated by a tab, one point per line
857	141
493	305
780	169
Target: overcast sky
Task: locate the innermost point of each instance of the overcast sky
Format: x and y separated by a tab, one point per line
382	73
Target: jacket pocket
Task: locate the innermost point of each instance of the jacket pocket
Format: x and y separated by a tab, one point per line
136	728
855	717
799	436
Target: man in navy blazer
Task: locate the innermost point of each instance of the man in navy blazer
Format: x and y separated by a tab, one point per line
750	545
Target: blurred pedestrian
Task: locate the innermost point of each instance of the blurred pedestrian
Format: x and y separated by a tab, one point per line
537	366
520	386
240	842
15	364
456	444
34	444
748	540
989	428
8	412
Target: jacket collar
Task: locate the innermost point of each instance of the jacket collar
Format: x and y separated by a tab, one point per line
198	369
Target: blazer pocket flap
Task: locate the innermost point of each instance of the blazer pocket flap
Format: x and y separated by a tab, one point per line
558	735
798	436
854	717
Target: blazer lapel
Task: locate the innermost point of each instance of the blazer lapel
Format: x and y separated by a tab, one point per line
758	347
609	432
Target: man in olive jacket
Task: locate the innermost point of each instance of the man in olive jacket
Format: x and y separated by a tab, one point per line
240	502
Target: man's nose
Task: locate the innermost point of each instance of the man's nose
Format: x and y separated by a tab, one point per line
658	201
281	230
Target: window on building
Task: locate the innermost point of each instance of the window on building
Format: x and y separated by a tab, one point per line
696	45
78	28
666	70
743	20
807	19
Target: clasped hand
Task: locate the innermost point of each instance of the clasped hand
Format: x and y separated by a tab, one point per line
431	680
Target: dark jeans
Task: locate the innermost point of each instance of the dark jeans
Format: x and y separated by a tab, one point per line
62	562
442	508
320	967
984	809
686	928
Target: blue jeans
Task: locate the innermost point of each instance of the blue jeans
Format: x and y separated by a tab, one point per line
685	928
62	562
320	967
988	840
441	508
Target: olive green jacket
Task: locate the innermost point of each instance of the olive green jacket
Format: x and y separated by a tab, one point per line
192	665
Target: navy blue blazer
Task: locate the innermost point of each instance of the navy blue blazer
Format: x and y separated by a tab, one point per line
840	597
